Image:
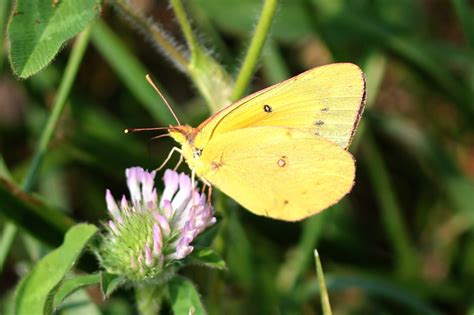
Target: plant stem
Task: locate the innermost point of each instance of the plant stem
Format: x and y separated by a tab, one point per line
148	299
255	48
186	28
69	75
8	236
152	29
407	260
66	83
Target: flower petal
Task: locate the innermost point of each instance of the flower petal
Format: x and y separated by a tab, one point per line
133	179
171	180
157	239
112	206
183	196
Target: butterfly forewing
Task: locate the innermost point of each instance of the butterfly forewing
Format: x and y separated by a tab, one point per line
325	101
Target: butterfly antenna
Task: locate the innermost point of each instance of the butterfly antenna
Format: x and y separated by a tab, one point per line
160	136
129	130
149	79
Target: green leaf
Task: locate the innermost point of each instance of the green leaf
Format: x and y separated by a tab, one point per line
109	283
33	294
31	214
70	286
206	257
39	28
4	171
322	285
184	297
79	303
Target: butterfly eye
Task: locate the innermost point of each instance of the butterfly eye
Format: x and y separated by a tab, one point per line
197	152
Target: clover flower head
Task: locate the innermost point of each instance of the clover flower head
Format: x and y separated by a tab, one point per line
146	235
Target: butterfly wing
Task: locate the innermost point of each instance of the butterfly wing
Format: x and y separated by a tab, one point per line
326	101
279	172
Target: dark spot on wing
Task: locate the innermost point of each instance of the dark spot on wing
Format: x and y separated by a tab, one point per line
282	161
285	202
325	109
319	123
215	165
267	108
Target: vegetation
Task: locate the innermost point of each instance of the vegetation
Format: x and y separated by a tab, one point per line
72	78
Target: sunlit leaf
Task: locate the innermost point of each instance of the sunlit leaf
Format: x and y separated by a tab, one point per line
39	28
109	283
70	286
33	294
184	297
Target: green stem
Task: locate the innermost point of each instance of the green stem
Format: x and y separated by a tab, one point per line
165	42
204	23
186	28
8	236
149	299
69	75
212	81
66	83
407	260
255	48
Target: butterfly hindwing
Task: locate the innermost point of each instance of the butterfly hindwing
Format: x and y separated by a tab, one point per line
278	172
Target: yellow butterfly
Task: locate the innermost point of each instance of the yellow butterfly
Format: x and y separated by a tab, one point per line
282	152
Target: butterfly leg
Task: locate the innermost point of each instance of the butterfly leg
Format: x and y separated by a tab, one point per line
174	149
209	194
179	162
209	189
193	189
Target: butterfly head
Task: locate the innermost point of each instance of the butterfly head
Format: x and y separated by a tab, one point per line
185	135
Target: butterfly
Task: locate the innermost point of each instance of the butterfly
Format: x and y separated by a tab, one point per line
282	152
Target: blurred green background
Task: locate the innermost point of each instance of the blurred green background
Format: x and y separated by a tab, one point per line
401	242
